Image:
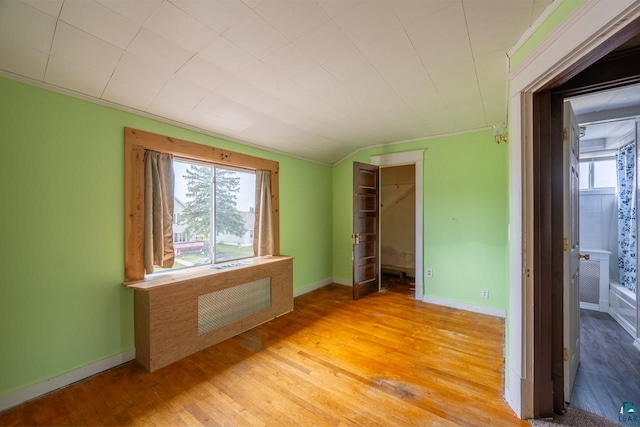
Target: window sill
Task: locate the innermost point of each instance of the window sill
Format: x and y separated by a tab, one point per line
596	191
170	278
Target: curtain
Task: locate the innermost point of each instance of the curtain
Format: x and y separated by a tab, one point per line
626	172
158	210
263	226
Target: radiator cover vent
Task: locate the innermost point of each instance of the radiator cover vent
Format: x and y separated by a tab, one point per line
590	281
220	308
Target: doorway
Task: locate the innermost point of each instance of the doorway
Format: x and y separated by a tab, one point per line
397	229
612	71
414	158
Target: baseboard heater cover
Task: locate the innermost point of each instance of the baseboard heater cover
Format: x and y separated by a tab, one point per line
183	316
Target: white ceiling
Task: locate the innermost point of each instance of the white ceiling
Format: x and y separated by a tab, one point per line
603	138
315	79
603	114
599	106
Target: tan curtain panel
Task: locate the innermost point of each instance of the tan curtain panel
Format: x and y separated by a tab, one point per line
263	226
158	210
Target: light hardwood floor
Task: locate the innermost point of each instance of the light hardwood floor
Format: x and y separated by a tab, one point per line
381	361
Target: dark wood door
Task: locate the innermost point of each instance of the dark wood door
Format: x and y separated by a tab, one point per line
366	271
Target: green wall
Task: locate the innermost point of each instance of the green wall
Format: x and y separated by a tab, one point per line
62	305
566	8
465	216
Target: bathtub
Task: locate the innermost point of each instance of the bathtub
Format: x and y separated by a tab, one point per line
622	307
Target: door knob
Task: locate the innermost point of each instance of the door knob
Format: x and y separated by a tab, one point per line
585	256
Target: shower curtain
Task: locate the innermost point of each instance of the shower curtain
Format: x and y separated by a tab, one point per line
626	172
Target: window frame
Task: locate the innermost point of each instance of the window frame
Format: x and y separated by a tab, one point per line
135	143
590	161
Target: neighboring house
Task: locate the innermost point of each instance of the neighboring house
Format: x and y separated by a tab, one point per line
179	230
247	237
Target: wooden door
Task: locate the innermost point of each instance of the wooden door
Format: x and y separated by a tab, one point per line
366	271
571	280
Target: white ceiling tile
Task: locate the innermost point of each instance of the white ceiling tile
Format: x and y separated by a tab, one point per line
217	15
491	68
395	47
292	18
397	61
159	52
459	88
426	103
128	95
339	98
227	56
458	53
497	39
409	84
177	26
315	80
203	73
71	76
224	114
23	61
85	50
271	82
255	35
409	11
136	10
267	104
334	8
238	90
252	4
324	43
50	7
482	15
446	24
24	25
368	21
170	108
350	67
100	21
179	89
135	71
289	61
469	117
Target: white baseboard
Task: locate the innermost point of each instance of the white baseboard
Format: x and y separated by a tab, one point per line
589	306
31	392
464	306
312	287
623	322
320	284
512	393
343	282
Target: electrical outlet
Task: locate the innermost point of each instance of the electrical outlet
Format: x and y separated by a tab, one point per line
429	272
484	293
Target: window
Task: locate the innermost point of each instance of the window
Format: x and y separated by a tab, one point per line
217	212
598	174
224	232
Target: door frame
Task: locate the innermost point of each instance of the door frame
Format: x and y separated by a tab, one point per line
402	159
607	72
595	29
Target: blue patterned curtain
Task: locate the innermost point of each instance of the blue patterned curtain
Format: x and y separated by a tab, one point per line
626	168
